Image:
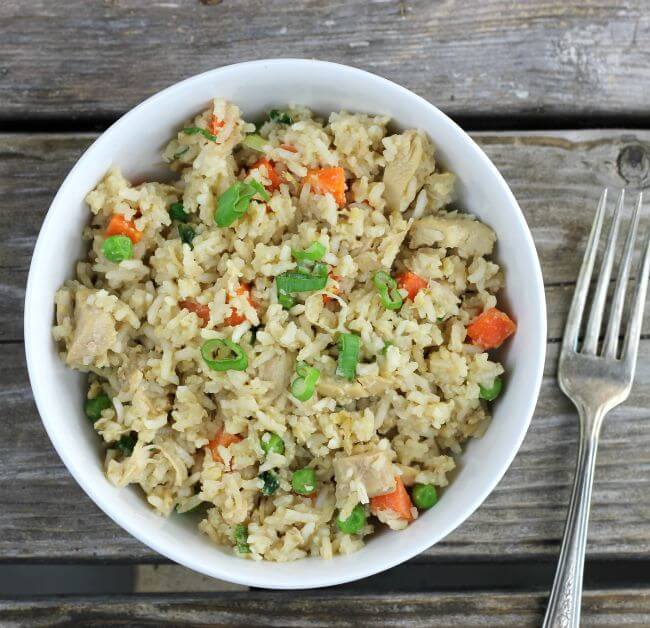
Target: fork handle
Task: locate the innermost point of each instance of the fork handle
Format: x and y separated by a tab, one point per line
564	603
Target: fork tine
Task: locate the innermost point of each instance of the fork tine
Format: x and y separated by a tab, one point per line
590	343
610	344
572	327
633	332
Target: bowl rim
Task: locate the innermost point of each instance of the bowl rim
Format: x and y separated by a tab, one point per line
176	554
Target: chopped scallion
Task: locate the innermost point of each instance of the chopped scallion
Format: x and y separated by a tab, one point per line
234	202
303	387
241	539
349	347
271	483
282	117
313	253
238	361
126	444
177	212
389	295
186	234
195	130
256	142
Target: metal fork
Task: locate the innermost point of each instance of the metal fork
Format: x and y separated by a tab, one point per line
596	380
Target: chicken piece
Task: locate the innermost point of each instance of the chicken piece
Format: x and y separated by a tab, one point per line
94	333
469	236
278	372
390	245
365	386
409	162
373	469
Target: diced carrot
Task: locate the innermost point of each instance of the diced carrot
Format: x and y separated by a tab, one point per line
289	147
335	289
235	317
202	311
222	439
324	180
271	173
398	501
490	329
119	225
215	124
412	283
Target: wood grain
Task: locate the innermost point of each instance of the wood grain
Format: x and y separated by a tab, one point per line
600	608
556	177
499	58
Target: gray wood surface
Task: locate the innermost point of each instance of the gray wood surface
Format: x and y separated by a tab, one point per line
614	608
556	177
529	58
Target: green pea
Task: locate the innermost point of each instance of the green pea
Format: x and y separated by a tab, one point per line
354	523
492	392
117	248
271	442
303	481
424	496
93	407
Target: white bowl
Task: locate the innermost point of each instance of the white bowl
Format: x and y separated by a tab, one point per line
134	143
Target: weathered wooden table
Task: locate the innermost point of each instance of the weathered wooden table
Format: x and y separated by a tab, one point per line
558	95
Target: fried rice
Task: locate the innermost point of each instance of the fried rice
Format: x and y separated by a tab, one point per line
390	261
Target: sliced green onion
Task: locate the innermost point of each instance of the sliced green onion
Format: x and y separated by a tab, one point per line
239	362
321	270
389	295
303	481
186	233
424	496
292	281
286	300
177	212
349	346
256	142
302	388
94	407
117	248
354	523
271	483
234	202
492	392
280	116
126	444
313	253
272	443
258	187
194	130
241	539
387	343
180	153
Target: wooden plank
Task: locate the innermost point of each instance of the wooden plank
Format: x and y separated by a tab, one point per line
45	515
531	58
557	178
626	607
